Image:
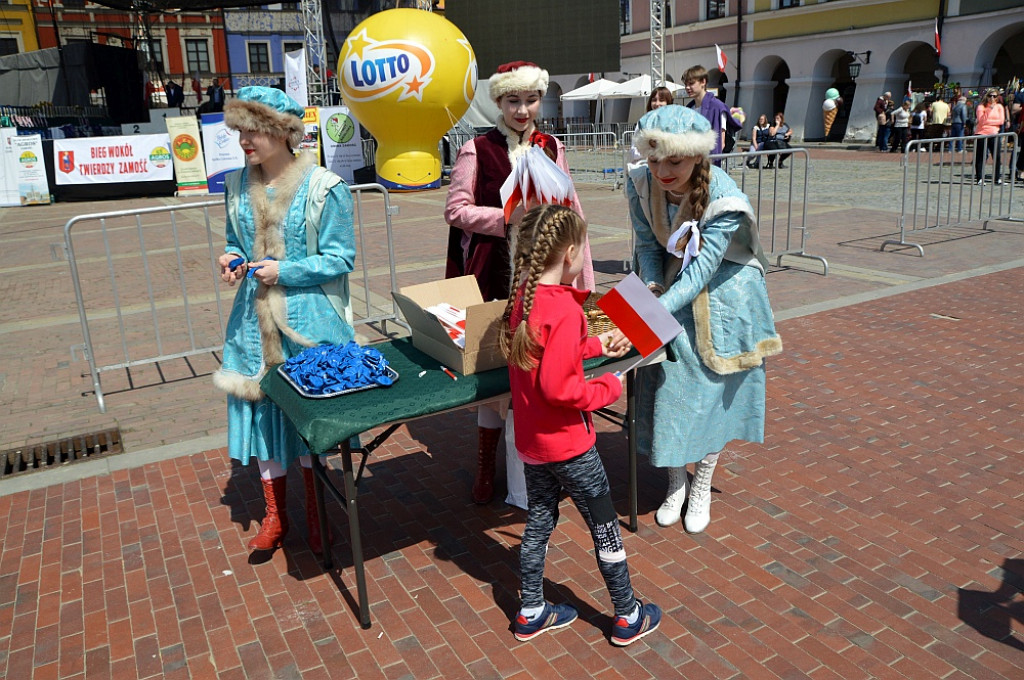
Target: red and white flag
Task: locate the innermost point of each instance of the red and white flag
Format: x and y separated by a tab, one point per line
910	89
722	59
636	311
938	44
590	77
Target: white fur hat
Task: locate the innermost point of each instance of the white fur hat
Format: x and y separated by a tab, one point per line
518	76
674	130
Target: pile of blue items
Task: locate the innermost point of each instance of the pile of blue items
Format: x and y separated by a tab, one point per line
333	369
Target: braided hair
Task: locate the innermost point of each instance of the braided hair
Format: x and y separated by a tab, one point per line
543	236
699	194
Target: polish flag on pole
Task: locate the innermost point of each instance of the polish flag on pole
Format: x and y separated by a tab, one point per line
910	89
722	59
938	44
636	311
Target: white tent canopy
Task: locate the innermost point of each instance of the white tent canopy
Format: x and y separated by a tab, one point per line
594	90
637	87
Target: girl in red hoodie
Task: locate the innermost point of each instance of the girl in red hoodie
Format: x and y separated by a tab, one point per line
544	337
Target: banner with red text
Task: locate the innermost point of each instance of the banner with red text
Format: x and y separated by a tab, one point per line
102	160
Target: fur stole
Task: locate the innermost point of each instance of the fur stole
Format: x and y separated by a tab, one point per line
518	142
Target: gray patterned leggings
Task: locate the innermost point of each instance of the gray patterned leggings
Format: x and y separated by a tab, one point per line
584	478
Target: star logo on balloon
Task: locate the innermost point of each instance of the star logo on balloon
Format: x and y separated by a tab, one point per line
372	69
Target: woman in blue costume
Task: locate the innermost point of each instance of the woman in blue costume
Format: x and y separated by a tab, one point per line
712	390
290	247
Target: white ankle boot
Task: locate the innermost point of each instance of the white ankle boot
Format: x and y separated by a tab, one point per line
668	513
698	512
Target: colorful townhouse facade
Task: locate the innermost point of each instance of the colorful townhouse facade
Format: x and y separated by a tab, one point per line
784	54
180	46
17	28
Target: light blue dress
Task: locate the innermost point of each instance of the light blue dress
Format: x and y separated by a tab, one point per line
256	426
685	410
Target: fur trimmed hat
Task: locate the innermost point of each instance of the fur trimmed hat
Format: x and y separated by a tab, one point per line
674	130
267	110
518	76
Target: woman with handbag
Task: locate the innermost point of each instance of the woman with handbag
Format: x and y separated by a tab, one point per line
478	235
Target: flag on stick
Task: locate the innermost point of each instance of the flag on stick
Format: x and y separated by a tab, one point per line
636	311
722	59
938	43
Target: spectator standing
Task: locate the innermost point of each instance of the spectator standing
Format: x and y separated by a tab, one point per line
918	121
215	93
990	116
712	108
883	106
938	123
900	127
958	123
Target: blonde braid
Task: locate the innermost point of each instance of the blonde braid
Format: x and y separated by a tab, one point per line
544	234
700	196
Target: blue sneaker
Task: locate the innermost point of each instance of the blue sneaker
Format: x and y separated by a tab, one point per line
554	616
624	634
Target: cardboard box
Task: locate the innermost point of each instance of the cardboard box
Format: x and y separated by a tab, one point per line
482	351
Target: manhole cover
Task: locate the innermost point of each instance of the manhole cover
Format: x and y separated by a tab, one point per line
52	455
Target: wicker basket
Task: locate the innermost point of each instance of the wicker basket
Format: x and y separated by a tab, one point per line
597	321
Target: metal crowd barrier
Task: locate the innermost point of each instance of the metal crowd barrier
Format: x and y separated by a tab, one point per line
153	289
778	197
940	187
594	157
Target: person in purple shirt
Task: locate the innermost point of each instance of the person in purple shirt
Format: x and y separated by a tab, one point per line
713	109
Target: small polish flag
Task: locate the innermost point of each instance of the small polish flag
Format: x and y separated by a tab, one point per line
633	308
910	89
938	44
722	59
590	78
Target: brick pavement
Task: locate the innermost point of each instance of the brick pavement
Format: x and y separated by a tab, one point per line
877	533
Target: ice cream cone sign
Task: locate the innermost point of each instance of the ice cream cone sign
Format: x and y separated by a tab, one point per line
830	108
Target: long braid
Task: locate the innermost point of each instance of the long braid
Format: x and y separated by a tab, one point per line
699	195
543	236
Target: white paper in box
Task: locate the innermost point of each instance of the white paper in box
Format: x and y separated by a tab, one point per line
482	351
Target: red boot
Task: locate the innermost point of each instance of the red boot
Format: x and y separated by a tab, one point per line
275	524
483	486
312	519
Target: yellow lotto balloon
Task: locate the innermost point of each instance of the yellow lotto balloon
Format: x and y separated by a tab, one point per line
408	75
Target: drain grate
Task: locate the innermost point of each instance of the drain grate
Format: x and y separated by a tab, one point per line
52	455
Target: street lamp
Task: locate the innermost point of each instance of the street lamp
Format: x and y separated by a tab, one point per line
854	66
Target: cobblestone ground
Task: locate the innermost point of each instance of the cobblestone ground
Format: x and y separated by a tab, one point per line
876	534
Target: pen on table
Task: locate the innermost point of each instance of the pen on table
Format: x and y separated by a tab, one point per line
449	373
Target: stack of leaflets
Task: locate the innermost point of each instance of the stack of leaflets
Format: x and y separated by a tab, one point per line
536	179
453	320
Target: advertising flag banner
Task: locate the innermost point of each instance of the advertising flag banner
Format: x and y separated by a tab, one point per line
311	141
341	137
295	76
635	310
8	172
221	151
33	189
189	168
103	160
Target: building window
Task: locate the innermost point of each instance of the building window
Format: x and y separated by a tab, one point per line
783	4
715	9
153	49
73	4
625	18
8	46
198	54
287	47
259	57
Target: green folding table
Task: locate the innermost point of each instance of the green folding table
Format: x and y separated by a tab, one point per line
330	424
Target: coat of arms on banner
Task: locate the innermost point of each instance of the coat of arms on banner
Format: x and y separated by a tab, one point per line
66	160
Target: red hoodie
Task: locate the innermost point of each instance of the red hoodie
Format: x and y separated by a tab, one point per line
552	402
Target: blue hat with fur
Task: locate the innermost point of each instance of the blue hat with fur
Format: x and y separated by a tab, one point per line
267	110
674	130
